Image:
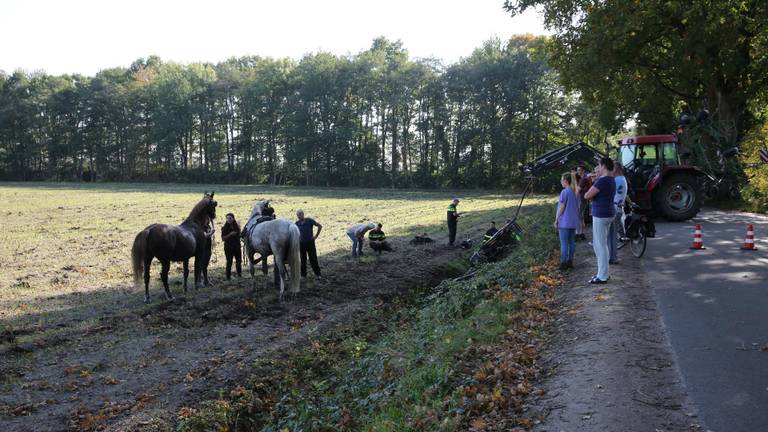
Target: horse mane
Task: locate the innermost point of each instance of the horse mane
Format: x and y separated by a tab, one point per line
198	213
258	208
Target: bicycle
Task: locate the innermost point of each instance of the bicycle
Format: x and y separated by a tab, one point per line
638	228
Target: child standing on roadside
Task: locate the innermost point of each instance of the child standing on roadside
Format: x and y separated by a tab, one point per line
567	220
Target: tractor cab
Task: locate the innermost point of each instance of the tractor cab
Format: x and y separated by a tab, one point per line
658	180
644	156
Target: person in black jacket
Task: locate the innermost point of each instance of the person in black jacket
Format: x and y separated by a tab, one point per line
491	231
230	235
378	240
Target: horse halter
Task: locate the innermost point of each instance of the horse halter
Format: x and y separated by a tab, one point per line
211	207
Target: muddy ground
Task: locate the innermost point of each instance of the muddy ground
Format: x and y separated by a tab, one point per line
610	364
133	368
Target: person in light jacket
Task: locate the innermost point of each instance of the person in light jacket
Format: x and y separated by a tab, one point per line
357	234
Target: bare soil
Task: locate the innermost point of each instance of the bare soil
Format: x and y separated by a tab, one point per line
133	368
610	365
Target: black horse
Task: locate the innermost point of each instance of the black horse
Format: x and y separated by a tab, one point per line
176	243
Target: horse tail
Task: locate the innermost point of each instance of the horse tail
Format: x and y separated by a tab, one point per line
138	253
294	259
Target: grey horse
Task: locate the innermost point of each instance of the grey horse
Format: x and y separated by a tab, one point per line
278	237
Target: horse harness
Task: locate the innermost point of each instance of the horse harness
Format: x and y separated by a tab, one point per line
247	230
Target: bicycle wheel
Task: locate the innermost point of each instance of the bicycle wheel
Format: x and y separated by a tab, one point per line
620	243
638	244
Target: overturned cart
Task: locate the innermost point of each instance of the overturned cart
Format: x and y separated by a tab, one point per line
493	248
511	233
506	237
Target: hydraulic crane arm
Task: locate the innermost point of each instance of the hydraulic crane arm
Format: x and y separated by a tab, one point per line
578	152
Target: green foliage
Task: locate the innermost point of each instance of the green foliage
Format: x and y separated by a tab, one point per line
755	193
377	118
398	374
650	57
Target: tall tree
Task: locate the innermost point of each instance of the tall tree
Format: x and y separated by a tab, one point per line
649	57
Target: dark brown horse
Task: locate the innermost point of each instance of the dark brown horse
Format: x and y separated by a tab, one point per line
176	243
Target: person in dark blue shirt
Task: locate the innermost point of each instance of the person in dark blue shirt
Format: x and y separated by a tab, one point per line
307	242
603	210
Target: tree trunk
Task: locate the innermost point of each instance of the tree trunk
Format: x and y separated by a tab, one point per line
395	152
383	128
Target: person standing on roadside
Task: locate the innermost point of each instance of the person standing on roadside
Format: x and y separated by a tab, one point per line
453	218
230	235
307	242
567	220
602	194
617	227
578	174
585	182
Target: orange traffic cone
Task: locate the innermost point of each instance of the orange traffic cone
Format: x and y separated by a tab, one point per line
749	242
698	243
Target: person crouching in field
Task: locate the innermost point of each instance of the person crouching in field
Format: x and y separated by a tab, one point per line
378	240
357	234
567	220
230	235
307	242
491	232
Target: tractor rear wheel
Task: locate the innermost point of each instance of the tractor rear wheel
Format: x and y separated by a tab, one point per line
679	197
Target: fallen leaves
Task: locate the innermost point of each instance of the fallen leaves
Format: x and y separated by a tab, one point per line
502	375
108	380
83	419
187	412
477	424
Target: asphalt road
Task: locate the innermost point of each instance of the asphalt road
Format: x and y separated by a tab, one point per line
714	305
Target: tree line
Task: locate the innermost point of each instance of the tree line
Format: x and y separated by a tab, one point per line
375	118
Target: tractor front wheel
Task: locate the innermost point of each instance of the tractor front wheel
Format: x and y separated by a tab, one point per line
679	197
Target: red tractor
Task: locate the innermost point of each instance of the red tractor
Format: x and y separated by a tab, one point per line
658	180
659	183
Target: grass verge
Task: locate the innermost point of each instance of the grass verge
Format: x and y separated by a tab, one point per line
438	360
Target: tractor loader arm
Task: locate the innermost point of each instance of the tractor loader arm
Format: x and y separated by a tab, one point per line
559	157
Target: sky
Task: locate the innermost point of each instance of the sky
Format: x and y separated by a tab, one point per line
85	36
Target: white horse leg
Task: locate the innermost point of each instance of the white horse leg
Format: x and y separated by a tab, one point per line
281	270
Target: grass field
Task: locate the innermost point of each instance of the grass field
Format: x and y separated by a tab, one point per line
62	239
67	298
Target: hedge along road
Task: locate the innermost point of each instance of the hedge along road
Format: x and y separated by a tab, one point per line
714	303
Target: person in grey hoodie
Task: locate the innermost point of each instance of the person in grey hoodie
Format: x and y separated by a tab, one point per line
357	234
